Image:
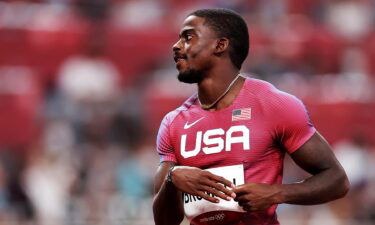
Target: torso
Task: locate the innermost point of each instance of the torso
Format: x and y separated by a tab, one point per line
220	141
243	133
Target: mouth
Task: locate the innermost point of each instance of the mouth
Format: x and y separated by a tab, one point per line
179	57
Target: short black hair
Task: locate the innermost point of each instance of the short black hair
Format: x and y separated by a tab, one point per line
229	24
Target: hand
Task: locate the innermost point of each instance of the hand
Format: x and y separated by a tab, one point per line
254	197
198	182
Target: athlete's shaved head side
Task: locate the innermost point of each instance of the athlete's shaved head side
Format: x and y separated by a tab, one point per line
227	23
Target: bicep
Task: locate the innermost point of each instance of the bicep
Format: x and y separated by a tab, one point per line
161	173
315	155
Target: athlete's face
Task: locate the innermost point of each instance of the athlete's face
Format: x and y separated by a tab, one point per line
194	51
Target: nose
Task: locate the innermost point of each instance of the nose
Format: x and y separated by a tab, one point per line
177	46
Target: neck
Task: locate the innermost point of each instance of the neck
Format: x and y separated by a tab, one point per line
211	90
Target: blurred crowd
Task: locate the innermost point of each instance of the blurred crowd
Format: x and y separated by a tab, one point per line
84	85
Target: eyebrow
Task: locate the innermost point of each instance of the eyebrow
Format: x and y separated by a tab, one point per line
184	32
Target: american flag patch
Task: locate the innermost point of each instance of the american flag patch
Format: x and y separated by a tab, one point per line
241	114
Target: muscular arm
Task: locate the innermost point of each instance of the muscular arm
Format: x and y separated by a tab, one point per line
167	205
328	181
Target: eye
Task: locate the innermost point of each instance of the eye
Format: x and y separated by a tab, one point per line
188	37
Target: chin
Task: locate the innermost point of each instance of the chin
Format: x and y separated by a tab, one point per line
190	76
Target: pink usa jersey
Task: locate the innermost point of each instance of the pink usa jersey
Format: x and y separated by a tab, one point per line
251	135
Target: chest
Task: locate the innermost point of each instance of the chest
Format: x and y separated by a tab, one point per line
220	139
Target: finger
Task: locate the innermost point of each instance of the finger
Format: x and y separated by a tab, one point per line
247	207
242	198
208	197
217	193
221	188
242	189
222	180
242	203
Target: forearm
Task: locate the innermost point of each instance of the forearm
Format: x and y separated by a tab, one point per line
323	187
167	205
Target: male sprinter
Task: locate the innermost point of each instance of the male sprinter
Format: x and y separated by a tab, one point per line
222	151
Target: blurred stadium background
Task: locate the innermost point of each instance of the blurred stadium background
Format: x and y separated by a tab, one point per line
84	85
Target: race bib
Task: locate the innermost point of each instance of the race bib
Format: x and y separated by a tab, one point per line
195	206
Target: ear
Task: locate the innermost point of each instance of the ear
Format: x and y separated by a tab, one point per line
222	45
